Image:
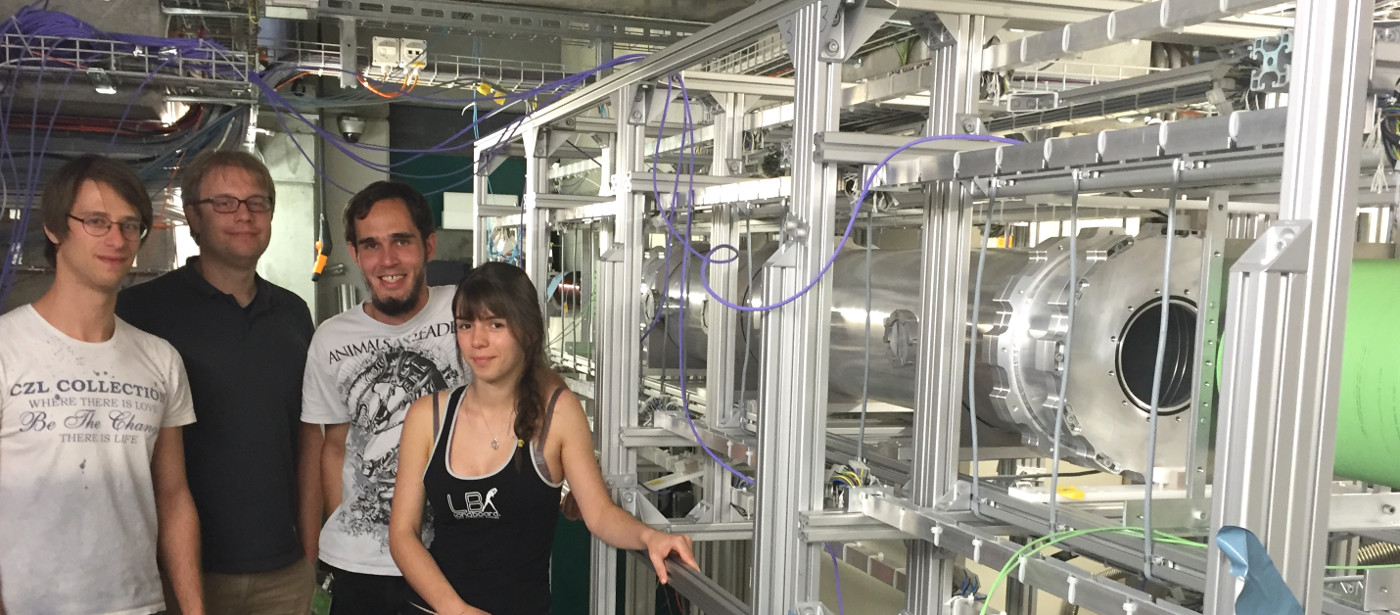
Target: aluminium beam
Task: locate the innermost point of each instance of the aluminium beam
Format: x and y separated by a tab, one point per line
1255	132
861	148
719	38
1143	21
981	545
705	595
618	353
943	291
1047	14
1288	296
726	83
792	408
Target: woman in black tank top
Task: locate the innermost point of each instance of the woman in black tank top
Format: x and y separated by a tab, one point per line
490	458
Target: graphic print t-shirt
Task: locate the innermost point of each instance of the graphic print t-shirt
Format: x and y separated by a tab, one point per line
366	373
78	427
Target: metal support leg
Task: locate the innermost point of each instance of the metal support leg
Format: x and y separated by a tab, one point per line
943	321
535	239
618	354
1287	307
723	325
792	415
480	238
1209	304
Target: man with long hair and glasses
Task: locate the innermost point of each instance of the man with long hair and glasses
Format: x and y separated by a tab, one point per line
92	463
252	464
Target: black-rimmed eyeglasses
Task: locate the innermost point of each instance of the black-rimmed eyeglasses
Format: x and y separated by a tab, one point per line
99	226
228	204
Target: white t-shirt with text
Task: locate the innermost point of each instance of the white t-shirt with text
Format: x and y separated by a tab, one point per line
366	373
78	427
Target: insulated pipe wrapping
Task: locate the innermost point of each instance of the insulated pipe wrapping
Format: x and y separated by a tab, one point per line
1368	416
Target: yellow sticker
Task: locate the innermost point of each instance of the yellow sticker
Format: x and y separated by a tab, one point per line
1072	493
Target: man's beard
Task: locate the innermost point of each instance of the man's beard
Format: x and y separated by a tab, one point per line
398	307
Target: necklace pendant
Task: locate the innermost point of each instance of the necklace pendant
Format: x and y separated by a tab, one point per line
495	444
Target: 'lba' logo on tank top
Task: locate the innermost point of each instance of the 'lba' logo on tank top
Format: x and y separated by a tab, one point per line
474	506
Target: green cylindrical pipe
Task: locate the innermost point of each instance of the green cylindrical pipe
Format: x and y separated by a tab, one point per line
1368	417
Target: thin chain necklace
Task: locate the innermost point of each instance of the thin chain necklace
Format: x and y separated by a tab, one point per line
495	442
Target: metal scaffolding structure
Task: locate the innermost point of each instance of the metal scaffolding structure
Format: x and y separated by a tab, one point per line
1272	468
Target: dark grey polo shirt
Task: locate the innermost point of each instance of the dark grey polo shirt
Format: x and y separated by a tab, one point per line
245	368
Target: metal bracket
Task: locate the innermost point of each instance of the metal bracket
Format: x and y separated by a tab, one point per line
552	141
1382	590
932	31
970	123
1283	248
642	508
612	254
491	165
349	46
622	183
793	233
957	498
640	109
811	608
702	513
620	481
846	26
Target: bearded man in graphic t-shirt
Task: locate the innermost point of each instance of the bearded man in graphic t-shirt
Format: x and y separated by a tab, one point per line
92	471
363	369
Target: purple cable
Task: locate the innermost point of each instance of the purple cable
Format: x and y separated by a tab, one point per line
32	179
337	143
656	192
680	315
444	146
567	83
855	213
836	570
549	86
706	259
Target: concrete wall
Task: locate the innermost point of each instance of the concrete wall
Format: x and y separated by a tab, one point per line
352	176
290	256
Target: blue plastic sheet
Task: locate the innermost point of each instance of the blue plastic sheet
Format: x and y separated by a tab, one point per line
1264	592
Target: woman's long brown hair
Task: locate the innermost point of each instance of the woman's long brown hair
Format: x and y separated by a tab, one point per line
505	291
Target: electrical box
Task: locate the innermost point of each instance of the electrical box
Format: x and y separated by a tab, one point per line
413	53
384	52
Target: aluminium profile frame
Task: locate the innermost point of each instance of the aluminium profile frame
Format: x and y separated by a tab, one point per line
778	520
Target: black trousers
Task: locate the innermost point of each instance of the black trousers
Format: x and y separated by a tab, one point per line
353	593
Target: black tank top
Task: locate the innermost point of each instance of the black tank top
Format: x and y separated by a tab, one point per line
492	534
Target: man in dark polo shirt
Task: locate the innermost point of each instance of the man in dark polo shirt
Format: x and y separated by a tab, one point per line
243	341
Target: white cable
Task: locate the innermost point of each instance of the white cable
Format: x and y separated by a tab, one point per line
972	340
1166	293
865	380
1069	339
748	326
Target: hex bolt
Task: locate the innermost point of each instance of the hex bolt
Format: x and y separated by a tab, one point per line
832	46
